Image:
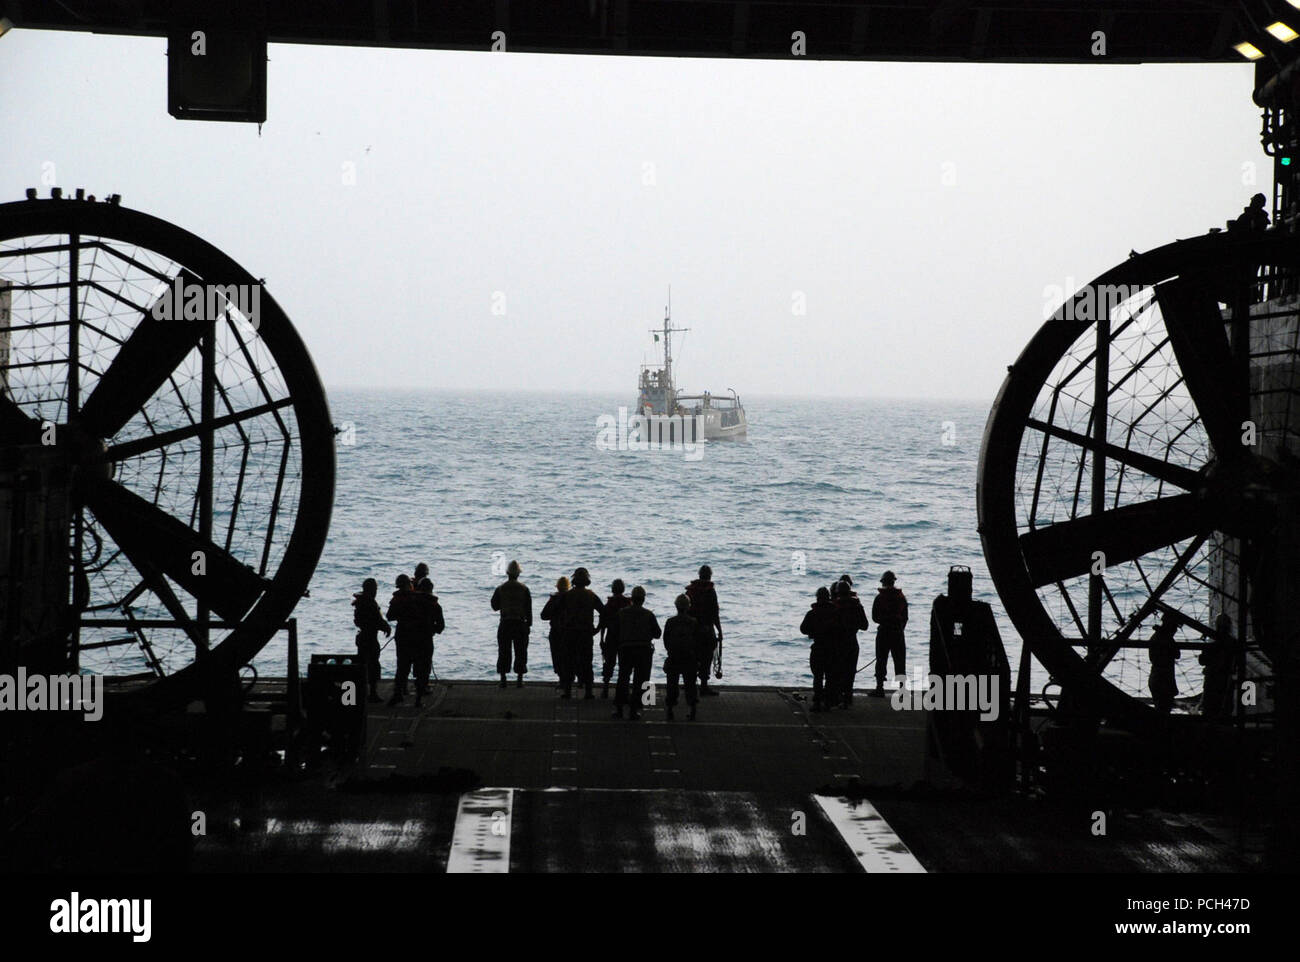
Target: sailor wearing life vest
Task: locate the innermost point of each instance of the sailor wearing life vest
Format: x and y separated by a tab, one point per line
708	625
580	606
844	659
638	628
429	623
369	621
889	611
822	625
515	602
1163	652
609	633
403	610
679	666
553	611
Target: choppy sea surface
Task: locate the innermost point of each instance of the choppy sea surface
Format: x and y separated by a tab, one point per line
822	487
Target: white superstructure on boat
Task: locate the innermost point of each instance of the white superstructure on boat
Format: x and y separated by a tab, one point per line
721	417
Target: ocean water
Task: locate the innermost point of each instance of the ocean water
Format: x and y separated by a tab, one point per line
822	487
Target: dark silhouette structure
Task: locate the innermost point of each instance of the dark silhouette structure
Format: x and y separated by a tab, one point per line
179	571
1216	660
973	739
1038	31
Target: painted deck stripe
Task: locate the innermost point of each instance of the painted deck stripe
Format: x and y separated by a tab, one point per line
868	836
475	848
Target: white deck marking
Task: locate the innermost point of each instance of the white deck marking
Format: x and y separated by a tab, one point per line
868	836
475	847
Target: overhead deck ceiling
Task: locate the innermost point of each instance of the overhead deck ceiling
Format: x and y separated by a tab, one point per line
920	30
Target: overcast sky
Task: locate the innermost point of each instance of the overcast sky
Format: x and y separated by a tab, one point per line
919	210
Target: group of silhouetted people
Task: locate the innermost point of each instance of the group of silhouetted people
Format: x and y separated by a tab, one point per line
833	623
627	630
1216	659
418	616
626	627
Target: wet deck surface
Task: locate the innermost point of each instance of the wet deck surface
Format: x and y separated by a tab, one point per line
733	791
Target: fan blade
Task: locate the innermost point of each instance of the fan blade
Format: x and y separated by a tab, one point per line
1174	474
1062	551
1200	341
141	366
143	530
154	442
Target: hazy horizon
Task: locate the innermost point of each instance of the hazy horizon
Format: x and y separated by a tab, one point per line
631	392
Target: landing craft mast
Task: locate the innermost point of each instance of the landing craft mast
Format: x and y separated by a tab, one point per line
667	387
668	331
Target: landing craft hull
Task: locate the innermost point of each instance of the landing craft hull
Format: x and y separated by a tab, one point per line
714	430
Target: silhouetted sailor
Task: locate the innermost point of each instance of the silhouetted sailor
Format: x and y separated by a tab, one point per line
553	612
708	625
889	612
822	624
679	645
609	633
1163	652
369	622
844	661
637	629
1253	218
513	599
430	624
1216	659
580	608
406	612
